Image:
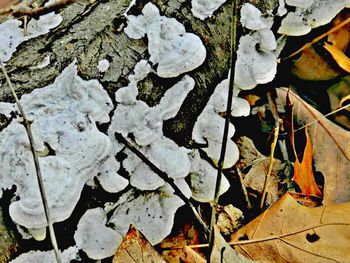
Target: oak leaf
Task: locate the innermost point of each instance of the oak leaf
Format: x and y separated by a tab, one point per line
331	148
136	248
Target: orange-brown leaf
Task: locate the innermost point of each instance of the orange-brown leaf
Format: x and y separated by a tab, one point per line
303	174
136	248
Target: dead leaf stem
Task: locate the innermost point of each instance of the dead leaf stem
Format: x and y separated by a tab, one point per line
164	176
25	11
317	120
233	57
27	125
274	237
267	178
244	189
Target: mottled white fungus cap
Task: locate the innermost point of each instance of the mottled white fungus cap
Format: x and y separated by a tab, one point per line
205	8
11	33
210	125
68	255
64	115
103	65
166	155
300	3
302	20
7	108
170	47
145	123
93	236
203	179
138	118
152	213
256	62
208	129
282	10
253	19
240	107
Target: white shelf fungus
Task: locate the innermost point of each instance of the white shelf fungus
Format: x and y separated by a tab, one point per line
152	213
64	115
170	47
103	65
253	19
68	255
282	10
319	13
300	3
166	155
205	8
138	118
203	179
255	66
11	33
210	125
257	51
94	238
145	123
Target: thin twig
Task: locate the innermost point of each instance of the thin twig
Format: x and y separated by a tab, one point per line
42	10
27	125
233	56
274	237
267	178
244	189
164	176
317	120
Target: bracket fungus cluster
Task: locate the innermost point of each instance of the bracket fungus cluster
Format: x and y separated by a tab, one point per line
170	47
310	14
71	148
12	32
209	126
257	51
205	8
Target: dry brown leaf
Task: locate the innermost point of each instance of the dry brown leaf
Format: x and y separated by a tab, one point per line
135	248
191	256
311	66
185	234
303	174
327	243
222	252
255	179
331	148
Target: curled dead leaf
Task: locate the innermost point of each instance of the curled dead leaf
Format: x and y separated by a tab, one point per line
331	148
